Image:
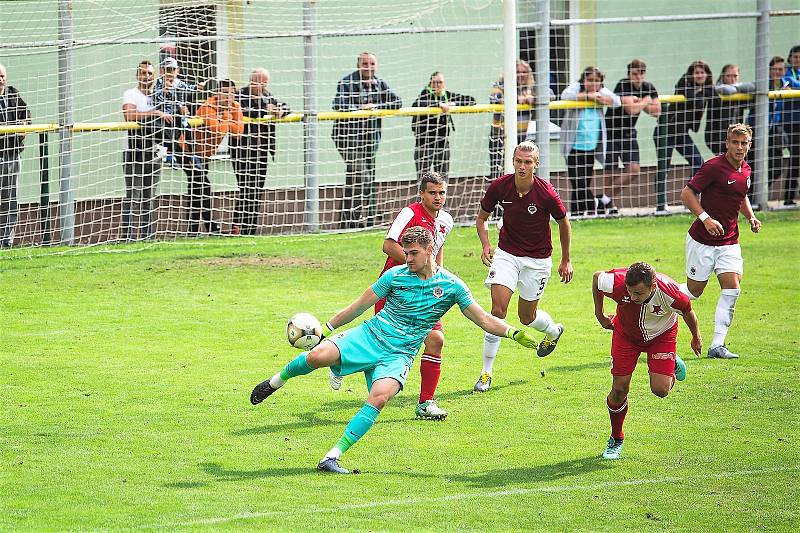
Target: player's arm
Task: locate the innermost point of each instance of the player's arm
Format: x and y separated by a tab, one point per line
690	318
440	256
495	326
482	226
692	202
352	311
746	209
393	249
565	236
598	296
653	108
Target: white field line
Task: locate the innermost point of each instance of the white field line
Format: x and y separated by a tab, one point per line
405	502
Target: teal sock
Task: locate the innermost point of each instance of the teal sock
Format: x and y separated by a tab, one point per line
358	426
296	367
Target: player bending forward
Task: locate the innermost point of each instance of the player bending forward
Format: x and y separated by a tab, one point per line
712	244
523	259
427	213
383	347
648	305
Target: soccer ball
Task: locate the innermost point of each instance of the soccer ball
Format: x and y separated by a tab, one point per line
303	331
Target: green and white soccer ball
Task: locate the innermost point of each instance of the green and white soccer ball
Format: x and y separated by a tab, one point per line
304	331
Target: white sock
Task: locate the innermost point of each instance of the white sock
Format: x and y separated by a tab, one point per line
276	382
685	290
605	199
335	453
491	344
544	323
723	316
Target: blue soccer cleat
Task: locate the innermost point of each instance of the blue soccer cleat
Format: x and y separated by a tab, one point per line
680	368
721	352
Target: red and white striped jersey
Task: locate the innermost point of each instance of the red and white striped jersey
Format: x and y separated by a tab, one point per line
643	323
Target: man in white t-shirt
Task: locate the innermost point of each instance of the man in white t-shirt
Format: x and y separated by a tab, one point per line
141	159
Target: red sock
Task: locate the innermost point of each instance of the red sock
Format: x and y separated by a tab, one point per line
617	414
430	368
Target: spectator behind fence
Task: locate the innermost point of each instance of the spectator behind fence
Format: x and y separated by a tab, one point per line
636	95
791	125
171	96
357	140
141	161
432	145
221	115
250	152
13	111
681	118
583	136
722	114
526	93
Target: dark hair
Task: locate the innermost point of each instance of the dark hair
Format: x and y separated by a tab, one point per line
591	70
417	235
638	64
225	84
776	59
145	62
793	50
640	272
431	177
690	71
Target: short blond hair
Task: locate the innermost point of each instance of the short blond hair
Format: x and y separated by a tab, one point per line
528	147
740	129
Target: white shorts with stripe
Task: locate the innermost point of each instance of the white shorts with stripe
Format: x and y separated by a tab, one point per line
703	260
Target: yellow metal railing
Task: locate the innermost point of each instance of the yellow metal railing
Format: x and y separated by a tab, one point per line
402	112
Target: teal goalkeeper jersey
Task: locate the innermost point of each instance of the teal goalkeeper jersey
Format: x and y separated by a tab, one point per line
413	306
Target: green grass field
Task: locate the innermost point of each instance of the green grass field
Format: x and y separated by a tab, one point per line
125	375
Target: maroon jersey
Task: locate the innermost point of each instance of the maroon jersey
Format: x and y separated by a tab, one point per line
722	189
526	219
644	323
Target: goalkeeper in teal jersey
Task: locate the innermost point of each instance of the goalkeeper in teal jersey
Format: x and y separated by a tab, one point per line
383	348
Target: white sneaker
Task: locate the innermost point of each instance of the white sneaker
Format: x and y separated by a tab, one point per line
429	409
483	383
336	381
721	352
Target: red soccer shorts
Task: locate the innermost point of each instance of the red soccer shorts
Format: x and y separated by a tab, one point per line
380	303
660	353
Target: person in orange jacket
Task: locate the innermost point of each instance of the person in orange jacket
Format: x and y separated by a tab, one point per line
221	115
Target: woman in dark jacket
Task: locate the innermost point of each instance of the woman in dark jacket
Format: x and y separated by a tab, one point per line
697	85
432	147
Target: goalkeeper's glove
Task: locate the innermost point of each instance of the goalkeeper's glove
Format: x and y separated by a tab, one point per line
521	337
327	330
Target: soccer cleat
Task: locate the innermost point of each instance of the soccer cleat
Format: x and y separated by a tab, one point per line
613	449
680	368
483	383
721	352
331	465
547	345
336	381
429	409
261	392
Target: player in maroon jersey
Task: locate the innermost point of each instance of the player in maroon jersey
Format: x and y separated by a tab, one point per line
648	305
522	260
427	213
712	244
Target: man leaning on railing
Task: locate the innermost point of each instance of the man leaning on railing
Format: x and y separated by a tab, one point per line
13	111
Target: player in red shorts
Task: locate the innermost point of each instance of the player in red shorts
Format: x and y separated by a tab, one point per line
712	244
648	305
427	213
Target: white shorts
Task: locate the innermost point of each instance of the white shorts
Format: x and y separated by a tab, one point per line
703	260
528	274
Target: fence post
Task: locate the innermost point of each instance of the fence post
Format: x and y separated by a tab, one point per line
44	187
760	174
310	119
543	89
509	81
662	156
66	97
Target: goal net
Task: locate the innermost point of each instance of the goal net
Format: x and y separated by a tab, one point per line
113	151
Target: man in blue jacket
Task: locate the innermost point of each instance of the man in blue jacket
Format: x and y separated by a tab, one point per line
791	125
357	139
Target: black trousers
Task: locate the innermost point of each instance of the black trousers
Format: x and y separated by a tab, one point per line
358	203
142	168
199	190
432	154
792	130
580	170
250	167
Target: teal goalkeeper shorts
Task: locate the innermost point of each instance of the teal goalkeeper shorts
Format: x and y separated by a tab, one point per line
360	351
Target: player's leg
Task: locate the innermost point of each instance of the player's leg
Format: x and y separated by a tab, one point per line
699	267
430	369
729	268
662	362
387	380
624	356
502	280
533	280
